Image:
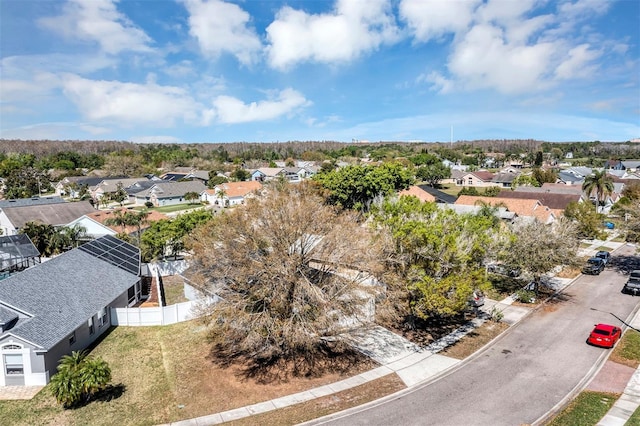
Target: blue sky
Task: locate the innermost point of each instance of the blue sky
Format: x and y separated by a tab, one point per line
374	70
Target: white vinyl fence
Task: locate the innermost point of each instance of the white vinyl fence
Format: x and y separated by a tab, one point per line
161	315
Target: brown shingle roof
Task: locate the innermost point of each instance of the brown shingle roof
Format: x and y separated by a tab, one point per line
237	189
521	207
549	199
418	192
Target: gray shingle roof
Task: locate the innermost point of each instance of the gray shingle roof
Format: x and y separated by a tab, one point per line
176	189
51	214
34	201
6	316
61	294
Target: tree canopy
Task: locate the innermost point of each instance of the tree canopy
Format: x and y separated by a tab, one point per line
286	270
433	257
354	187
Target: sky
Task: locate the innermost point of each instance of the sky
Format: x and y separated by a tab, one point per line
344	70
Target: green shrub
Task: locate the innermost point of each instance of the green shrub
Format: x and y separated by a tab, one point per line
526	296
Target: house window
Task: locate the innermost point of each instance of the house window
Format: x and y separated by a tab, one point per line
131	294
9	347
72	338
92	328
102	317
470	181
13	364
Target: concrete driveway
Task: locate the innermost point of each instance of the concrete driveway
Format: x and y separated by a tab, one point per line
526	373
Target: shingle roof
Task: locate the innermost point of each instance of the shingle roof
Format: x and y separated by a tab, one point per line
439	195
549	199
6	316
238	189
51	214
61	294
417	192
176	189
522	207
33	201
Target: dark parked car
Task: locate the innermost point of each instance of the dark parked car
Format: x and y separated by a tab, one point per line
594	266
632	286
604	255
604	335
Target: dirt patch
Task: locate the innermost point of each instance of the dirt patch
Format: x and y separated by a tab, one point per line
568	273
327	405
475	340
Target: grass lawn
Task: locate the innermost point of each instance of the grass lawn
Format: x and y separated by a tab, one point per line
167	375
634	420
587	409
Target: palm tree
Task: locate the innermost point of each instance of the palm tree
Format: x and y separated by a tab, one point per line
78	378
600	183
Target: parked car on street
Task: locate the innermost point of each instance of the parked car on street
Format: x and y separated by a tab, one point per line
594	266
604	255
632	286
604	335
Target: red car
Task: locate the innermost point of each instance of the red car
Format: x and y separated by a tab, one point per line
604	335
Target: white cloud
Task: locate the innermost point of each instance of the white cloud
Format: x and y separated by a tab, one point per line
231	110
130	103
578	63
353	28
55	130
484	60
98	21
222	27
439	82
431	19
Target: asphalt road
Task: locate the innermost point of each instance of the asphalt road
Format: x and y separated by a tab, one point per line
527	372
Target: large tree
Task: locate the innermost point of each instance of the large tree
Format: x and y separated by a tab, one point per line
287	269
539	248
433	258
599	183
433	173
355	187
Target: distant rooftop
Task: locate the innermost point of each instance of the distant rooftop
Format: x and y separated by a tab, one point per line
33	201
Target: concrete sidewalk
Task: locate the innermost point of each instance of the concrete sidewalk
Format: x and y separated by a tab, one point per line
627	404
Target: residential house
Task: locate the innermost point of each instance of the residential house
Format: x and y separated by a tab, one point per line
230	193
13	217
168	193
185	173
75	186
111	185
481	179
504	179
294	174
555	201
525	208
63	305
95	223
630	165
265	174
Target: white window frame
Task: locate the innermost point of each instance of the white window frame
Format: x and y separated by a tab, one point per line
91	325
